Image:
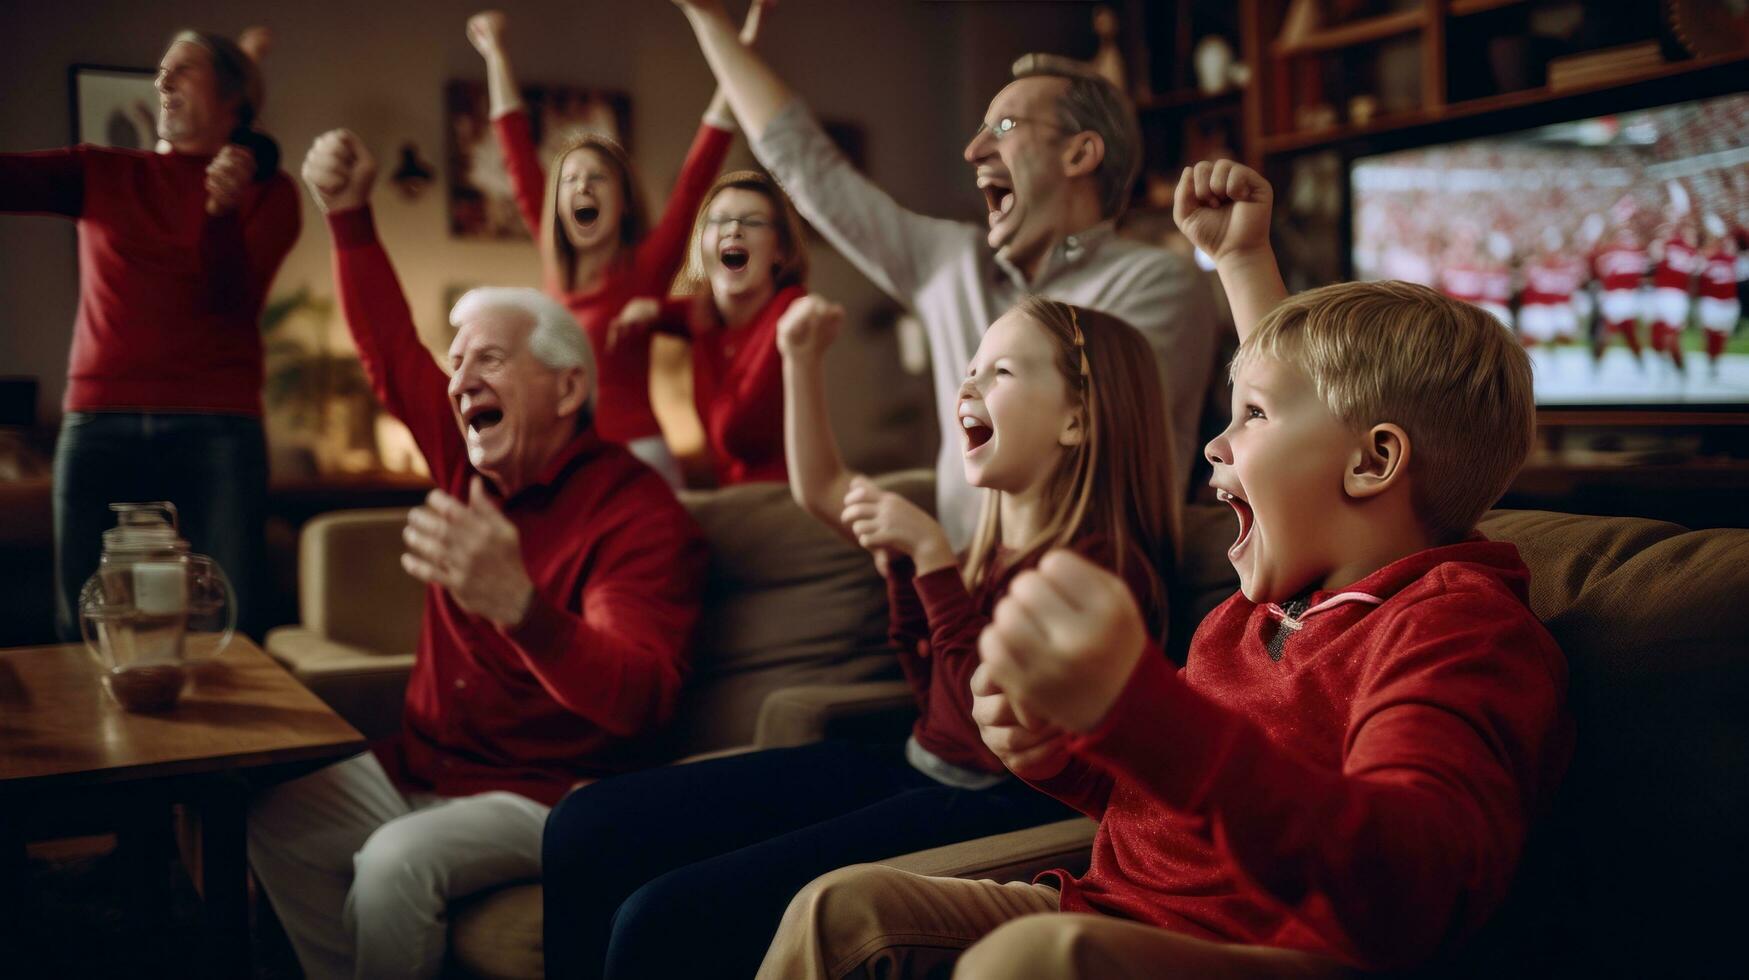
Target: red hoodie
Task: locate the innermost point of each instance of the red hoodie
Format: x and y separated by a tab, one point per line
1363	794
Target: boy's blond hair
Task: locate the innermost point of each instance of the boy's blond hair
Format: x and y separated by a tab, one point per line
1451	375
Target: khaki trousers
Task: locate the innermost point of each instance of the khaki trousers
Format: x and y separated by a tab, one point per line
874	921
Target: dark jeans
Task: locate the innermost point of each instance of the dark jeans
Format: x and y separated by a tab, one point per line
684	871
212	467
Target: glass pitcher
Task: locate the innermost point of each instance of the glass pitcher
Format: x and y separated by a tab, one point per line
153	610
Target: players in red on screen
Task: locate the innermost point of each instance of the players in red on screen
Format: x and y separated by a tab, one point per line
1613	246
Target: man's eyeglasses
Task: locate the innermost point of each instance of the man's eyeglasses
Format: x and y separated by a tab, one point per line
1007	124
748	222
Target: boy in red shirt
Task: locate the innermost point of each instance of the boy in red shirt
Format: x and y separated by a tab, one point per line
1344	773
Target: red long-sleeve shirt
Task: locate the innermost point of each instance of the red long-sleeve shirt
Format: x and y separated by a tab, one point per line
617	565
737	385
934	624
1365	796
622	401
169	297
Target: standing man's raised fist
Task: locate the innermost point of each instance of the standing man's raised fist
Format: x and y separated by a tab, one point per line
339	171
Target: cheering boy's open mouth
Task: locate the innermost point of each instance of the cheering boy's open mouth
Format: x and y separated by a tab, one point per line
1246	520
734	258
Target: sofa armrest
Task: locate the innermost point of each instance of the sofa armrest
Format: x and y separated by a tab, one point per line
365	687
809	713
1014	856
351	587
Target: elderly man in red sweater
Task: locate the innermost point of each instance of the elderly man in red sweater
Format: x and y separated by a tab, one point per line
563	586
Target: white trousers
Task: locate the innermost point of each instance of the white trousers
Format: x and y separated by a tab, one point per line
362	875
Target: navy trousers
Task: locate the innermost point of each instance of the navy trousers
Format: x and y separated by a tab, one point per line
212	467
684	871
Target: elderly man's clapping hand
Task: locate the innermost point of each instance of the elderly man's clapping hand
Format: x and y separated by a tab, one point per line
473	551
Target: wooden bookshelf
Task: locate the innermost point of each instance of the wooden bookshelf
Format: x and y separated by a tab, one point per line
1353	33
1301	141
1464	8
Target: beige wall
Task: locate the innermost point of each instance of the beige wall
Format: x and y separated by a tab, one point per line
915	75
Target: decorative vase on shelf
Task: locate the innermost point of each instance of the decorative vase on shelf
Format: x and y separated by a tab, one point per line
1214	61
1108	59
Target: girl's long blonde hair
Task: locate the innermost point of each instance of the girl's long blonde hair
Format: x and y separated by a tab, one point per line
558	255
1117	482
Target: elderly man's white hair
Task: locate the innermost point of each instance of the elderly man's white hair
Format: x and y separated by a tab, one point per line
556	341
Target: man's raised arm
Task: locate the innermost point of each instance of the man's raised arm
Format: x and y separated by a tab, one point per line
339	171
886	242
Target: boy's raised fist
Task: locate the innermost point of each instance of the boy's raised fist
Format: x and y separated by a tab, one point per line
1223	208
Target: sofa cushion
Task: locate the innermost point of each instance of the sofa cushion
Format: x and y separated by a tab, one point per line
496	934
1645	839
353	553
788	603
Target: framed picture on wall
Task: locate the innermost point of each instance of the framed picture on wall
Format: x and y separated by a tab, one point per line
113	106
480	201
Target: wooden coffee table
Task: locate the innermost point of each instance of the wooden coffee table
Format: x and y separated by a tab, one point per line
69	755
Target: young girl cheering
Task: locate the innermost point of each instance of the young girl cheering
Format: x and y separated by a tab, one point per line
750	263
596	244
686	870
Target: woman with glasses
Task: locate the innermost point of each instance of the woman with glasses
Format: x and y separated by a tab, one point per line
597	246
747	249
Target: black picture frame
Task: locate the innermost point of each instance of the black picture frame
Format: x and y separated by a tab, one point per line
112	105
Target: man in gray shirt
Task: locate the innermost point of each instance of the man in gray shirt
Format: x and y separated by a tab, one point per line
1056	157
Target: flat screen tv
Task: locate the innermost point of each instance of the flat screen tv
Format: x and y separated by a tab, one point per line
1616	247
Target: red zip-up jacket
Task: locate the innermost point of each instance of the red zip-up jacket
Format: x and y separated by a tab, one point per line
1365	796
169	297
617	565
737	385
622	399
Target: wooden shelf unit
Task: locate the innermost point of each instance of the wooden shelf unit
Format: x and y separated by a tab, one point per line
1297	142
1354	33
1268	115
1464	8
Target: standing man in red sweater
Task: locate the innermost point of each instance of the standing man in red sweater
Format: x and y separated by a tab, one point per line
176	251
1344	774
563	587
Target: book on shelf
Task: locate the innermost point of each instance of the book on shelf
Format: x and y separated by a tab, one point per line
1599	67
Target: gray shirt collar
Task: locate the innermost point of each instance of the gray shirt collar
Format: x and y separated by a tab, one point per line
1069	252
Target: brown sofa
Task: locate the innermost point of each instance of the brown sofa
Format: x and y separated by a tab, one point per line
1643	846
